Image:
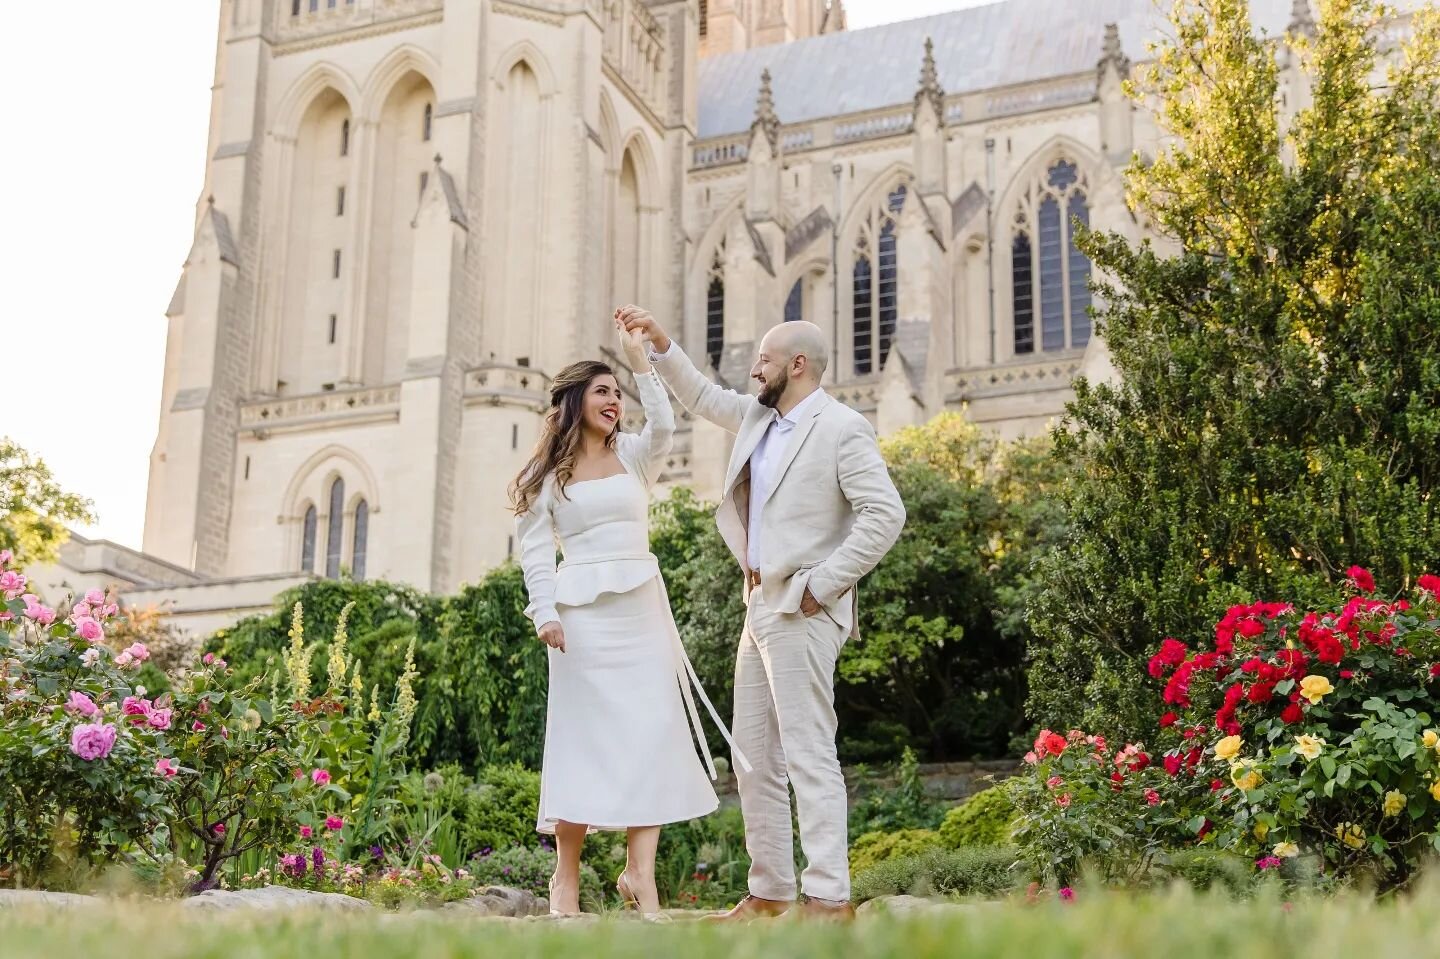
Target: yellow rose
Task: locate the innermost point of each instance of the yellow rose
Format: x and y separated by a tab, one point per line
1228	748
1435	790
1261	831
1351	835
1314	688
1286	850
1394	802
1309	746
1244	776
1430	737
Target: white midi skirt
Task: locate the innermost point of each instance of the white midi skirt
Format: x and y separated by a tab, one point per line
619	751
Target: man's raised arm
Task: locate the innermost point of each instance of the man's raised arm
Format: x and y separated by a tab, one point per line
725	408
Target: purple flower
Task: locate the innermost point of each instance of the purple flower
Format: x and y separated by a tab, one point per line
505	871
376	852
317	855
293	865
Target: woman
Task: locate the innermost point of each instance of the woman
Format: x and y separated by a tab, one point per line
618	752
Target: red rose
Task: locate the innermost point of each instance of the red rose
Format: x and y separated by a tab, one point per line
1261	692
1169	719
1216	785
1347	674
1232	728
1171	762
1434	670
1361	579
1141	761
1429	583
1293	713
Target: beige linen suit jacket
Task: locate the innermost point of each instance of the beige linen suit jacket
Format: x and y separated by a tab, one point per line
833	512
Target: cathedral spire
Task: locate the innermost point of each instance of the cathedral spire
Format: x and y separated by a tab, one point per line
1112	54
765	119
930	88
1302	21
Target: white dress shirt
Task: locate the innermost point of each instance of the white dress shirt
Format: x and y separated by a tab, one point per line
765	463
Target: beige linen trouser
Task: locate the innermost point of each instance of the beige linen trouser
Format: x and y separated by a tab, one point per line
785	725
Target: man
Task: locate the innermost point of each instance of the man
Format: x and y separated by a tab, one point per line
808	509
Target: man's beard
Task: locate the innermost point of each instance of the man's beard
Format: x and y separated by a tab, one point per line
773	389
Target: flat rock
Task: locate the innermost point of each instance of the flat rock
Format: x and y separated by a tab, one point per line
275	898
501	902
909	906
21	898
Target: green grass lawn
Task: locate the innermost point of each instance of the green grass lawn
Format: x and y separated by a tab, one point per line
1174	925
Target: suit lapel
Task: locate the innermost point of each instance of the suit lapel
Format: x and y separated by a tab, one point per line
745	445
802	430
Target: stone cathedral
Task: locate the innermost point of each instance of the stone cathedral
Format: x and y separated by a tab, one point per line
415	211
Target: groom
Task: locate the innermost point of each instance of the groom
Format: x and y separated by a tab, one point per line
808	508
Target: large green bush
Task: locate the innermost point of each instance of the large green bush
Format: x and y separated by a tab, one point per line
873	848
1277	416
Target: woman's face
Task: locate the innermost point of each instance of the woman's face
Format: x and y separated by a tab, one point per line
603	406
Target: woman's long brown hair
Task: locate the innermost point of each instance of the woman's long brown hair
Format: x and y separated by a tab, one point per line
560	435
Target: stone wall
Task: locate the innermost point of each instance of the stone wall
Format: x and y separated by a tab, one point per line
948	782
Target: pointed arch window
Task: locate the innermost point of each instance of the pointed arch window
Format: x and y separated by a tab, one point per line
1049	274
429	121
345	138
335	529
307	540
795	302
715	308
875	285
361	538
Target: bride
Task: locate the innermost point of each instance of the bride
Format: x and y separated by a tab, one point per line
618	753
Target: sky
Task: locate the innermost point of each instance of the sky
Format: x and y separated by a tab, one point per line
104	160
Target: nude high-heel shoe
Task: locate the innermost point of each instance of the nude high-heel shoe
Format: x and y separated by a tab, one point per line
632	901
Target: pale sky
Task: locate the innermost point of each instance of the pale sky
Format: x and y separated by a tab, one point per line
106	107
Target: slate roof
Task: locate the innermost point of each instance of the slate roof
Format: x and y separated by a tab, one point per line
978	48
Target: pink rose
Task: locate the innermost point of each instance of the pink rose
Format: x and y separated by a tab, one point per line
135	706
82	705
166	768
320	777
160	718
306	832
95	597
124	661
1031	758
110	610
208	658
218	829
12	584
197	727
138	651
80	609
42	615
334	823
1054	782
89	629
92	741
1063	800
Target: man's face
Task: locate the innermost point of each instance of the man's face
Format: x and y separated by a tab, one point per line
772	372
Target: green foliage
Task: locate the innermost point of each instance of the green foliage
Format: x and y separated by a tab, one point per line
33	507
530	869
972	871
905	805
500	812
985	819
872	848
1208	869
1278	408
702	863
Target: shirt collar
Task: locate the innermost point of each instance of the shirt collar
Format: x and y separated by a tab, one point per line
802	409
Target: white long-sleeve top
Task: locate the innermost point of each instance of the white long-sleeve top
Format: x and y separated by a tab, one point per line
604	532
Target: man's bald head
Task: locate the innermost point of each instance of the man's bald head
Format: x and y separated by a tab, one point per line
798	338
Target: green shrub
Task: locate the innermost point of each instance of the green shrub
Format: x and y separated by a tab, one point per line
877	847
1209	869
500	811
972	871
985	819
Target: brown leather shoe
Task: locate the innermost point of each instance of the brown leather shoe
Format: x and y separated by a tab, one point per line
751	908
820	910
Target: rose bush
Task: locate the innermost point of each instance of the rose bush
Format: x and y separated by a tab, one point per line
1312	733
